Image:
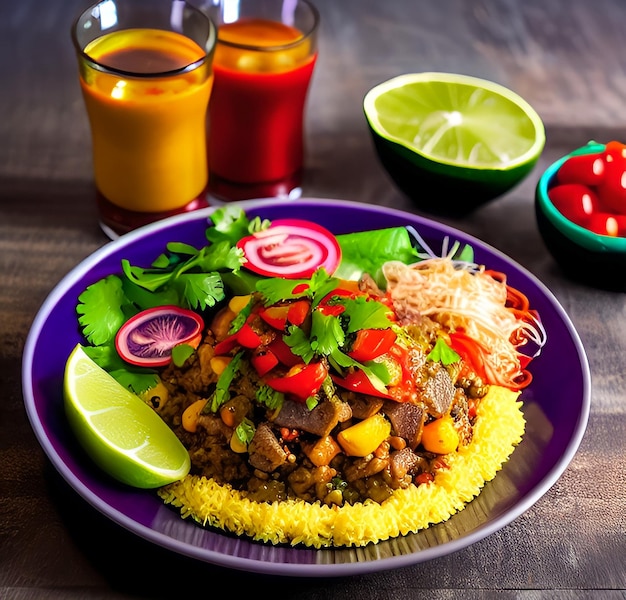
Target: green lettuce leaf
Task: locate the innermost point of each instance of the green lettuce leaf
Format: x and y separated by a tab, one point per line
367	251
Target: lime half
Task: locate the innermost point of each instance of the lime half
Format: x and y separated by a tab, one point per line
461	129
119	431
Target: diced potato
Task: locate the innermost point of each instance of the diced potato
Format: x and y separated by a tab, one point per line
364	437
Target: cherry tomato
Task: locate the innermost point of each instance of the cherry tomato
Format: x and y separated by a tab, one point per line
587	169
612	189
614	150
575	202
607	224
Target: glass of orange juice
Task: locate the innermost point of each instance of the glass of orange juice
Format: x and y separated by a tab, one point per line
263	64
145	70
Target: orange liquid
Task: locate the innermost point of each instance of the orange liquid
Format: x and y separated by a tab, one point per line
257	106
148	133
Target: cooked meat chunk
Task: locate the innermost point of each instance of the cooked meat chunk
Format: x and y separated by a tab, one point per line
197	375
363	406
405	462
407	421
320	421
266	453
438	392
214	426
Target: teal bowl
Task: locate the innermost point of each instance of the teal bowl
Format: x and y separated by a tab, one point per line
598	260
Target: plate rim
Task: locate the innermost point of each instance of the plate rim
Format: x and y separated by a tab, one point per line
286	568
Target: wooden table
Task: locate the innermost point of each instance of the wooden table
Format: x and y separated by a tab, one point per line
567	58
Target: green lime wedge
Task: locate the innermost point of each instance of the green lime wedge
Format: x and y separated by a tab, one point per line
467	135
119	431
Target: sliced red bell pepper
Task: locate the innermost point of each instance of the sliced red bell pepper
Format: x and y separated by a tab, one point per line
278	316
358	381
245	336
263	360
283	353
334	310
470	351
275	316
298	312
371	343
300	382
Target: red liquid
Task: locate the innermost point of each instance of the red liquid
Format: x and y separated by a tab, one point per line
256	127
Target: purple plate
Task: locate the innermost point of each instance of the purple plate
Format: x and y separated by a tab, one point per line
556	408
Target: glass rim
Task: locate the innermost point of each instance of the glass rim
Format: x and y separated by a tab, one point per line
252	47
208	48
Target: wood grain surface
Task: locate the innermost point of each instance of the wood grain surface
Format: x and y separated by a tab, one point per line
567	58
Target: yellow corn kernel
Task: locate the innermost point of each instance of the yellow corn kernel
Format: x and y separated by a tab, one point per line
156	396
364	437
440	436
191	415
219	363
238	303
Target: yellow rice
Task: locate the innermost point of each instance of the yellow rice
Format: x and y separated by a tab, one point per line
498	430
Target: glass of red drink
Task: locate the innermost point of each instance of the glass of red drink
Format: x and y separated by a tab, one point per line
146	76
263	63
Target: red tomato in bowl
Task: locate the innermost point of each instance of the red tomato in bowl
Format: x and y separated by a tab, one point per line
575	201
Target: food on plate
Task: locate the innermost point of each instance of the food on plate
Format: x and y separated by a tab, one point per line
147	339
369	397
121	433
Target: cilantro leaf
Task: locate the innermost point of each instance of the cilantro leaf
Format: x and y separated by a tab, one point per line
245	431
101	307
149	279
277	289
299	343
327	334
364	314
221	394
230	223
142	298
441	352
201	290
269	397
136	379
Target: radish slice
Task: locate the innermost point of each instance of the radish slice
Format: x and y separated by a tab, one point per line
291	248
147	339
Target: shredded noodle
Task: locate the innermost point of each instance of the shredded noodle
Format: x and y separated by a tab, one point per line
465	297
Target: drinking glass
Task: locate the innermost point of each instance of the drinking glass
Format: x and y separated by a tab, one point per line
145	70
263	64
